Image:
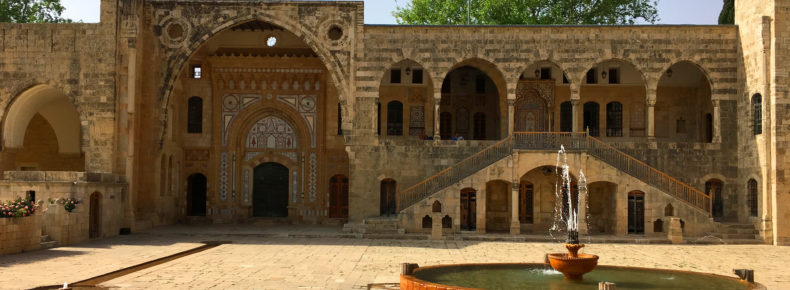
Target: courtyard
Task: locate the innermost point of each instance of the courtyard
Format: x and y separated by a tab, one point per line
314	257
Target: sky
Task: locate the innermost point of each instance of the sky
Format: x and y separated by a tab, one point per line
380	11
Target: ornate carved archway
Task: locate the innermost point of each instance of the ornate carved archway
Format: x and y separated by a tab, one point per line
533	101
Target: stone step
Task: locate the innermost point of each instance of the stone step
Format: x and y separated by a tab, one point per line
49	244
739	231
734	236
44	238
198	220
333	222
739	226
395	236
372	221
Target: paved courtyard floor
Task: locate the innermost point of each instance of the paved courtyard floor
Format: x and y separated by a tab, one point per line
267	258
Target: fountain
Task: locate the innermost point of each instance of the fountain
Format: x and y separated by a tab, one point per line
572	265
566	269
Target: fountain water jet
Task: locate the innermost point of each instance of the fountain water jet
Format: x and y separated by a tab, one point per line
572	265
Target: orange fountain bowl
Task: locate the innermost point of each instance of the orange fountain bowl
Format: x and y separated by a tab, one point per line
573	267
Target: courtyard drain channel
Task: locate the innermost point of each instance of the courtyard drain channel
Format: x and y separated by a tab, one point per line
92	283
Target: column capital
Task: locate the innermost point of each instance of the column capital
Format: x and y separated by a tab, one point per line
651	102
575	102
511	102
715	102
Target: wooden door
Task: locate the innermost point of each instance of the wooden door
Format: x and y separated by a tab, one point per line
636	212
270	190
468	209
388	202
338	197
525	200
95	216
713	189
196	195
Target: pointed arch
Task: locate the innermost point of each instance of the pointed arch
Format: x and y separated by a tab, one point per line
54	106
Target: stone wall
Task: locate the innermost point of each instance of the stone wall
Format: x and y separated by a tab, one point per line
20	234
69	228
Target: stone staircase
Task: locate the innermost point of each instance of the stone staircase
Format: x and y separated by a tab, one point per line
579	142
47	242
735	233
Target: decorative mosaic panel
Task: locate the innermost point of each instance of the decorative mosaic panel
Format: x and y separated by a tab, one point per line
223	176
246	186
313	175
232	104
271	133
293	188
289	155
306	105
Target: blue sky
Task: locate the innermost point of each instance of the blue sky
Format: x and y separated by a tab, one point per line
380	11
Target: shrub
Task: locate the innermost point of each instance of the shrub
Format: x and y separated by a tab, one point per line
17	208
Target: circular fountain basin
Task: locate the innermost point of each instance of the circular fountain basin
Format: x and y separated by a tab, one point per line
542	276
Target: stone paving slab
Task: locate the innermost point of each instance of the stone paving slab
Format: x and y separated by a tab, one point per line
276	257
85	260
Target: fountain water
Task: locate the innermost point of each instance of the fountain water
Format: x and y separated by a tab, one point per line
573	265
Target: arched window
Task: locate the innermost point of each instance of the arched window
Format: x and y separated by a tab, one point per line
339	119
378	119
708	128
427	222
195	115
614	119
447	222
757	102
566	117
480	126
591	118
752	192
395	118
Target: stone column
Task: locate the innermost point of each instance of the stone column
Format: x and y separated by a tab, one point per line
515	224
436	226
675	232
436	134
651	122
511	116
481	211
716	122
575	113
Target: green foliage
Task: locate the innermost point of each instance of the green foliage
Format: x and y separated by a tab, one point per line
727	15
489	12
31	11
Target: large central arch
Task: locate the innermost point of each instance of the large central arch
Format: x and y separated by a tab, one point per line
179	57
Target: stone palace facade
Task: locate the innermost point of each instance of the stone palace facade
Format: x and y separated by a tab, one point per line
296	111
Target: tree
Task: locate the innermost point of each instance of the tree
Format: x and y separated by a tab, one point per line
488	12
727	15
24	11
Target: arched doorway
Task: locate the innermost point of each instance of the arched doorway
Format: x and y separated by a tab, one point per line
468	209
338	196
683	104
531	113
713	188
94	227
196	195
388	193
473	84
636	212
270	190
